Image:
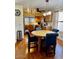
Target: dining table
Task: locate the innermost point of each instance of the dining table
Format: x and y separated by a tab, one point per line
40	34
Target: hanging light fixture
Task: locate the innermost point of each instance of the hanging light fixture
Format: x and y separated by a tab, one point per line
47	0
47	12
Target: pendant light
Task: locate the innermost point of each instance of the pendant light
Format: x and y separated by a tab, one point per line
47	12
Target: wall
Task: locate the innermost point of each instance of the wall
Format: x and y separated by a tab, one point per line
19	21
55	20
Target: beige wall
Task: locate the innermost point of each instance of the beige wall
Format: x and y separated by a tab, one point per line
19	21
55	20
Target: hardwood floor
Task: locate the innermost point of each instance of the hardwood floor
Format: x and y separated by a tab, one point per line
21	51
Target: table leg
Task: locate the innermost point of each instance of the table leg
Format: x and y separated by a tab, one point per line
39	44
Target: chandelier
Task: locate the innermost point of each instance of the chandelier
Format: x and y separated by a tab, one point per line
46	11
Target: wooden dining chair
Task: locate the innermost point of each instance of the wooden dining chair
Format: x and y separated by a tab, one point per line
33	40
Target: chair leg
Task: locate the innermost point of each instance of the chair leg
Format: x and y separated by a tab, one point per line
29	47
54	49
28	50
46	51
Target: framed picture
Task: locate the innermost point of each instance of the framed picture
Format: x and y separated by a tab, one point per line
48	18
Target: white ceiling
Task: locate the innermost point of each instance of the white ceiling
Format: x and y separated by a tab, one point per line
52	4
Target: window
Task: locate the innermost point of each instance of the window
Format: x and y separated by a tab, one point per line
26	21
32	19
29	20
60	21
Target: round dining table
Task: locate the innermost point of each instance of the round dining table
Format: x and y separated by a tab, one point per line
40	34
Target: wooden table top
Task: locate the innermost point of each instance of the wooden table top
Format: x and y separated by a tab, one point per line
41	33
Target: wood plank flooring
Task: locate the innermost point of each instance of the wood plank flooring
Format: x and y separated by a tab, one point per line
21	51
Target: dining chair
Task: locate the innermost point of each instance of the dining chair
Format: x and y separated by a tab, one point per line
50	42
37	27
55	30
32	39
